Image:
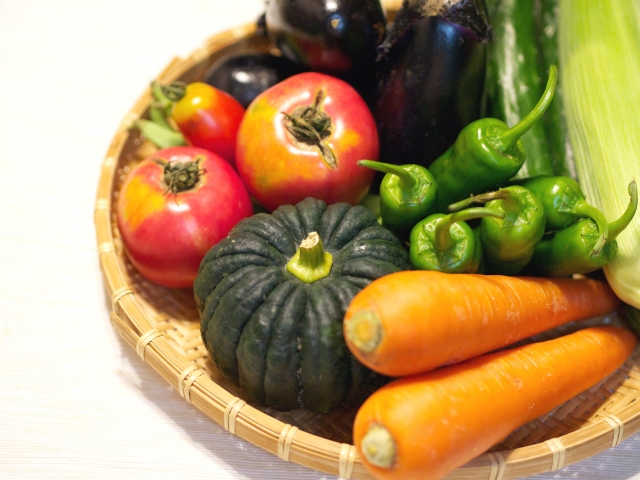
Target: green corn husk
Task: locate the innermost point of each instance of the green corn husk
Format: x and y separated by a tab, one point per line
600	72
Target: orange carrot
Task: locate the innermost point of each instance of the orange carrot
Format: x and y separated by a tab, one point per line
413	321
423	426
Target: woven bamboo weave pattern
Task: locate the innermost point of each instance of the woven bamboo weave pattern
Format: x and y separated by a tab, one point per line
163	326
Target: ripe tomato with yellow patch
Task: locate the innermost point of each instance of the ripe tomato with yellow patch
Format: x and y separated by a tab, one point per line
173	207
303	138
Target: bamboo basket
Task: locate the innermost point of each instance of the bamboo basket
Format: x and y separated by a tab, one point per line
163	326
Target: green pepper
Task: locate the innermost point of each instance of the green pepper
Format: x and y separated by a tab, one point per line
563	201
446	243
508	243
407	194
581	248
486	154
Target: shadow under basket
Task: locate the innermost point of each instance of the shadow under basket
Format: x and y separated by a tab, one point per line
163	326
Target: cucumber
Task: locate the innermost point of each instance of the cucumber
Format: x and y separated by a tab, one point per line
554	121
515	81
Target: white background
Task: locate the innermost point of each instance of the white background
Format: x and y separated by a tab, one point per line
76	402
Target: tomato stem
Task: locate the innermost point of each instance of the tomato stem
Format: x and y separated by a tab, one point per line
309	125
180	176
175	91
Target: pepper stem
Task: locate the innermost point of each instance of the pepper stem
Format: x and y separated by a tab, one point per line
501	194
508	138
602	241
617	226
406	179
443	240
584	209
310	262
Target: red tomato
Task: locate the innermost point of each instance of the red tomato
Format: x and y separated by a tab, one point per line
209	118
173	207
302	138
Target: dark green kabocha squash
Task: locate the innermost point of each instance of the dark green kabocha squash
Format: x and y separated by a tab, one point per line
272	296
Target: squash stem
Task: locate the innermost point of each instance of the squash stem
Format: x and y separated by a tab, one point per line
310	262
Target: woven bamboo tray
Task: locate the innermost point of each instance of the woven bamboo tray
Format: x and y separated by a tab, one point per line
163	326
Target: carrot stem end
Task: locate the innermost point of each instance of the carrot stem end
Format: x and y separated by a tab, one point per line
378	447
364	330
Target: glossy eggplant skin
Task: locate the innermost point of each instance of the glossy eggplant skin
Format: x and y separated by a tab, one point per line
245	75
336	37
431	74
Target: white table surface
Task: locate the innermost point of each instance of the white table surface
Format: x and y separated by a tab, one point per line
76	402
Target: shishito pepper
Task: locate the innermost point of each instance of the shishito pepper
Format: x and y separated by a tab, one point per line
486	154
508	243
446	243
563	201
581	248
407	194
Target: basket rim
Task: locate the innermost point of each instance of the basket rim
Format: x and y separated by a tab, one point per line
130	317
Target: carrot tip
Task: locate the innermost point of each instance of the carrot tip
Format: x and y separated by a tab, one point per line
364	331
378	447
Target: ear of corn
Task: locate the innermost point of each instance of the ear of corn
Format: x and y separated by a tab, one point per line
600	72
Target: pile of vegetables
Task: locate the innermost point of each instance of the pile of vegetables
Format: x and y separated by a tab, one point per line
368	214
273	295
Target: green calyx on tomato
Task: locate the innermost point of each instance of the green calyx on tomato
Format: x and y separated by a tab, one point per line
174	92
180	176
309	125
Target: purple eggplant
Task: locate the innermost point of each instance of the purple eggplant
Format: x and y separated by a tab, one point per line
245	75
336	37
431	71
